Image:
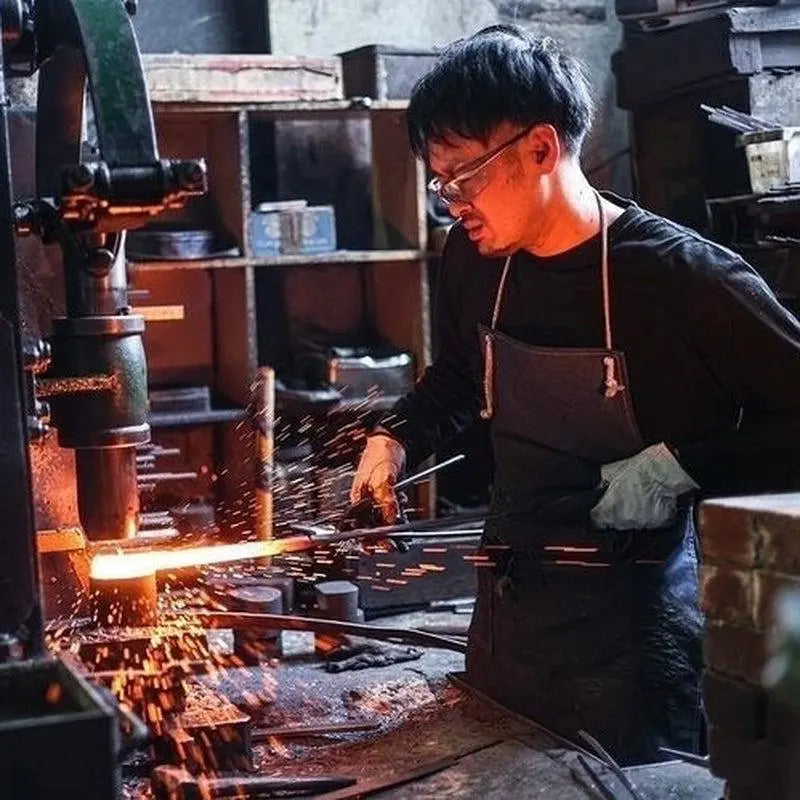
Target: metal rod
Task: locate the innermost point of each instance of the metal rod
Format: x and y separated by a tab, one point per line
602	788
269	622
294	731
160	477
429	471
608	760
264	418
419	527
689	758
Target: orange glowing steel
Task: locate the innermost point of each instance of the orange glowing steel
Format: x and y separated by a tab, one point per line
133	564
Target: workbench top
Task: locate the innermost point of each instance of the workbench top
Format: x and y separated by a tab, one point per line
428	723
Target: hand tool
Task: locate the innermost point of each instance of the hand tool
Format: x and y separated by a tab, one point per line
174	783
606	758
596	779
689	758
365	512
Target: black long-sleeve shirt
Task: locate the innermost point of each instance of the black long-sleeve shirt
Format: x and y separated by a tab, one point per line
713	358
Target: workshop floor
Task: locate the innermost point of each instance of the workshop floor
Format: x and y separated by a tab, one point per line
428	724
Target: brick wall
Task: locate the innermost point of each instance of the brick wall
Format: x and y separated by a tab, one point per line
751	553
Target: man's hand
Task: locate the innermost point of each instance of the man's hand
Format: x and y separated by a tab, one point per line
641	491
380	466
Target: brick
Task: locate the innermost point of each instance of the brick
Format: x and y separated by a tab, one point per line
737	652
734	705
727	594
751	764
783	723
726	532
777	534
767	586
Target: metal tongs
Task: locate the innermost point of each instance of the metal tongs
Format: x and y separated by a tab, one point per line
365	514
361	520
605	757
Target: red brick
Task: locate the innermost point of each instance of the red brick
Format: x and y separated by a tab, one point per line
737	652
767	586
751	764
734	705
726	532
777	533
727	594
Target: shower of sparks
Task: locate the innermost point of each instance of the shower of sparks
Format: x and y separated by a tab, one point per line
154	671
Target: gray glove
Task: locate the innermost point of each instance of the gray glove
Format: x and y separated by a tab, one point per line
641	491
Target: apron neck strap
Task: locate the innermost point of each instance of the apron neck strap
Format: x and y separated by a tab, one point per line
604	271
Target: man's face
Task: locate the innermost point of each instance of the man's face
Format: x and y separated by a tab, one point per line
495	203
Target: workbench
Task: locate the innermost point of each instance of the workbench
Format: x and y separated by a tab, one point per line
436	738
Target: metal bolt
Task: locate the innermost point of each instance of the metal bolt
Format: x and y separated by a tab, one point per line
37	355
80	177
37	431
42	411
191	174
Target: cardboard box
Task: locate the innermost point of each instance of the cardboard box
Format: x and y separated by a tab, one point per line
292	228
293	231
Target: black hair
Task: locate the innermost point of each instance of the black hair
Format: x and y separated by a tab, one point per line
500	74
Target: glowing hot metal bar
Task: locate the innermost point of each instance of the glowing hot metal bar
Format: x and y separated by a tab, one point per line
133	563
106	566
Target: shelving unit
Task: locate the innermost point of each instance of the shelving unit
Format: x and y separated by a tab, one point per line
335	257
216	343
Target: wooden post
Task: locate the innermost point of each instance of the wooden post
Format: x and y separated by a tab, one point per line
264	420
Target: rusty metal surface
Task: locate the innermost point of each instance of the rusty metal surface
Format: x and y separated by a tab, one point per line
422	721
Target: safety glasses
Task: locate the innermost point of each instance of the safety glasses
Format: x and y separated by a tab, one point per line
472	179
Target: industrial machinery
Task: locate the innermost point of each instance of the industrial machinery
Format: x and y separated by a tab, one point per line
98	173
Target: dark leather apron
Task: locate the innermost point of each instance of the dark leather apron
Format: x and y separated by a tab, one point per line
575	627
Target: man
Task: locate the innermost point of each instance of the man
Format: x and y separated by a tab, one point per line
624	363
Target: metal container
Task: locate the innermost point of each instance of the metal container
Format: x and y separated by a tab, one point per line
292	229
383	72
59	737
773	158
361	373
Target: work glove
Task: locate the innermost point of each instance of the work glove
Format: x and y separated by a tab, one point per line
641	492
380	466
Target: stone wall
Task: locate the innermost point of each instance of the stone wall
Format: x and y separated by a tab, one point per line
587	28
751	557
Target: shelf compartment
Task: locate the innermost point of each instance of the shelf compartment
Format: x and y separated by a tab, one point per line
299	260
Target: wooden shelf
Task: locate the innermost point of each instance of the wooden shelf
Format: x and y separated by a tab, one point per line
308	108
234	305
301	259
180	419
